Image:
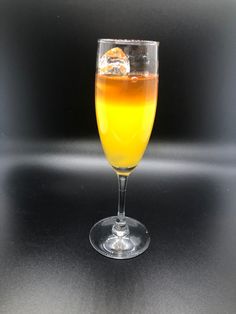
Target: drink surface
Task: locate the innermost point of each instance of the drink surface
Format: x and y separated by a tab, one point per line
125	110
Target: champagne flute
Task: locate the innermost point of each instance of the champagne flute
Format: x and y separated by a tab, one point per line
126	97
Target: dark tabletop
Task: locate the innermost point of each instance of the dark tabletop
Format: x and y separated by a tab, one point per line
52	193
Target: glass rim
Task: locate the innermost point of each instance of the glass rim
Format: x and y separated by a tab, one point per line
129	41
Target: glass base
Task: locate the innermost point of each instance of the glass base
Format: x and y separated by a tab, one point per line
119	243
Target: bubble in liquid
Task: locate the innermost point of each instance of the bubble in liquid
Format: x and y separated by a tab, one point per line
134	79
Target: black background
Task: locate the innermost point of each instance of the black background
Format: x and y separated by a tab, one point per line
54	180
48	54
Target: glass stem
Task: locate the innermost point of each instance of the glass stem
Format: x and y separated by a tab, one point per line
120	228
122	182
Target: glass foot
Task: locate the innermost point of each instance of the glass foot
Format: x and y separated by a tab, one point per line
119	244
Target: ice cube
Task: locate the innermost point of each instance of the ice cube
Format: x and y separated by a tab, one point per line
114	62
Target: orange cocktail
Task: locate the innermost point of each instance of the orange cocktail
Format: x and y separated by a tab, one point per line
125	109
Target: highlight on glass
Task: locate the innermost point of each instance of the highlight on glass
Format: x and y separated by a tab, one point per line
126	91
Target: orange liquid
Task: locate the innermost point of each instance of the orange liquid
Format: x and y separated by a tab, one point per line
125	110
